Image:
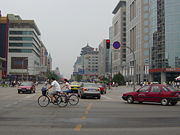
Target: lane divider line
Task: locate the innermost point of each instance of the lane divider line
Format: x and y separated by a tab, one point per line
106	97
78	127
83	117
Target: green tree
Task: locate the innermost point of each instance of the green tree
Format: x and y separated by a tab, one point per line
119	78
78	78
52	74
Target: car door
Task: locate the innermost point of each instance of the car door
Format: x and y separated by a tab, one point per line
154	94
142	93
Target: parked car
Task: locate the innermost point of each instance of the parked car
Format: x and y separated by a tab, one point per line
75	86
28	87
102	88
89	90
160	93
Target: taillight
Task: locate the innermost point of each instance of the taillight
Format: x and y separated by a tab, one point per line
177	94
84	89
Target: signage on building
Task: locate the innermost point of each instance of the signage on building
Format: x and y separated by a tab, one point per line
164	70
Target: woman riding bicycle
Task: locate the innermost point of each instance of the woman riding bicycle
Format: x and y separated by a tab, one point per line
67	87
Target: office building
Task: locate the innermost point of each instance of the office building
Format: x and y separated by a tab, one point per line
119	34
24	48
137	39
165	43
3	46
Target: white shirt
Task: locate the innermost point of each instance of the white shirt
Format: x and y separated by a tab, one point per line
67	85
56	86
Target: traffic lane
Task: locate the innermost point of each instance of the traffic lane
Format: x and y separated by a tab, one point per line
122	115
10	97
29	114
101	117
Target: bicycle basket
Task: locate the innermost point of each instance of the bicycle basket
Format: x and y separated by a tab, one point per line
44	90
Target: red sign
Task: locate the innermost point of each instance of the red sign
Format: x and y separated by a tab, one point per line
164	70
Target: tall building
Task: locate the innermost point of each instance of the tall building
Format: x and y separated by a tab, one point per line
89	57
104	59
3	45
24	48
119	34
137	38
165	43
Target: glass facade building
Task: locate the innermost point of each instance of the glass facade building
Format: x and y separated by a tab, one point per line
3	46
164	39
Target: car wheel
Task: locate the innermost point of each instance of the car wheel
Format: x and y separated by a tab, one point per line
164	101
130	99
140	102
99	97
173	103
81	96
19	91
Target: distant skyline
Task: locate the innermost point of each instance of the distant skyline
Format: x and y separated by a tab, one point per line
66	25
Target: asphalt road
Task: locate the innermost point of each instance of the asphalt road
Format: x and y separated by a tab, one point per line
20	114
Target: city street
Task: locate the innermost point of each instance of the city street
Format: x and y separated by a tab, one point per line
20	114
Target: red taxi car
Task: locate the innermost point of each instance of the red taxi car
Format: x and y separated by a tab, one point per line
160	93
26	87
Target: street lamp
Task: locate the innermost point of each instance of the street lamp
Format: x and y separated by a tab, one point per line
117	45
134	78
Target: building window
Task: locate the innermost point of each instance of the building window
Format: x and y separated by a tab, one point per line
133	38
116	28
133	10
19	62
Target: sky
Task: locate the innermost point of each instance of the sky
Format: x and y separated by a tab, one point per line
66	26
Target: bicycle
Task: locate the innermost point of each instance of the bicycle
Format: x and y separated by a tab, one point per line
72	99
45	99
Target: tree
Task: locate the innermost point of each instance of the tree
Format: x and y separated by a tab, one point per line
78	78
52	74
119	78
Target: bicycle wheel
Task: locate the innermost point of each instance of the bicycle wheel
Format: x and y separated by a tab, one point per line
62	101
43	101
73	99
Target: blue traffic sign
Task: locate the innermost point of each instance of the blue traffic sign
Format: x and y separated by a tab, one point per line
116	45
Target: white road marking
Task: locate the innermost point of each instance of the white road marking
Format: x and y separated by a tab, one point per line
106	97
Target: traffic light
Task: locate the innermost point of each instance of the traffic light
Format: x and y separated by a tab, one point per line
107	43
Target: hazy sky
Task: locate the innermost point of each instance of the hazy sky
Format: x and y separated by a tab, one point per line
65	25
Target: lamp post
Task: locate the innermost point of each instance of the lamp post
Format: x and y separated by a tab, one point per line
134	77
117	45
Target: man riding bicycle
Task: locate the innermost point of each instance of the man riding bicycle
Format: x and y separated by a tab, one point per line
56	88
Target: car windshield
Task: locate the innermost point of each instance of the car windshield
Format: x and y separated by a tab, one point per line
90	85
172	88
26	84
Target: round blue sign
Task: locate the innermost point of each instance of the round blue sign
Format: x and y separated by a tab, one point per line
116	45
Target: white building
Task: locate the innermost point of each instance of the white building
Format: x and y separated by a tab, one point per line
119	34
137	22
104	59
24	48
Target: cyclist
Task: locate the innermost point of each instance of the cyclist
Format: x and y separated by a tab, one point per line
56	88
67	87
